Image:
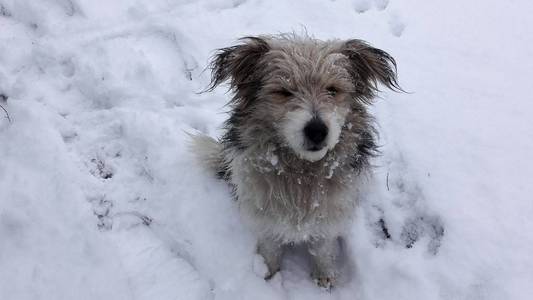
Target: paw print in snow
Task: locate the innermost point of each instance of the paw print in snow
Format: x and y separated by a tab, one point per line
362	6
396	25
416	228
381	4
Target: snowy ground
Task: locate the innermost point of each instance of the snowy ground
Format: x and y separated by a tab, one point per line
100	199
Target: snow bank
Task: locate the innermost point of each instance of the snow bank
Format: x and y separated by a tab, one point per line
100	198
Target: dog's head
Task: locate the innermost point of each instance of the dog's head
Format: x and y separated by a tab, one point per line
299	91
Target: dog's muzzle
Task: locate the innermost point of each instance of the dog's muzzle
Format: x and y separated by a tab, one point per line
315	132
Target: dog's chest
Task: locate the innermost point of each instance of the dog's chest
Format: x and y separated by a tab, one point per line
297	203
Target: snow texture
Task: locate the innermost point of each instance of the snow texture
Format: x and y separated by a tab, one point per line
101	199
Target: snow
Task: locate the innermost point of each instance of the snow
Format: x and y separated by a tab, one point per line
101	199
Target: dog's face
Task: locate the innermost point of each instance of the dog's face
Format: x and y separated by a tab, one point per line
307	92
297	91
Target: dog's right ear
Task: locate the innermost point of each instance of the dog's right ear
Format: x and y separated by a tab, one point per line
238	63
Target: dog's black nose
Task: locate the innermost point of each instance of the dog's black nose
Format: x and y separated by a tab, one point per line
316	131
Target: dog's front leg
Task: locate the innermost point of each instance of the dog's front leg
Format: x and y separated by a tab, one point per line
271	250
324	252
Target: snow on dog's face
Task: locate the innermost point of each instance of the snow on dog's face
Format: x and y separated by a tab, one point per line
297	92
308	94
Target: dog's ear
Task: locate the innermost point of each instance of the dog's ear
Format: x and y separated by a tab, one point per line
238	63
368	66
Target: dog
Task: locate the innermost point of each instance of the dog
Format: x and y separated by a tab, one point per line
299	139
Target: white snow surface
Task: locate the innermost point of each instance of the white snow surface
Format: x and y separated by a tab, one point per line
101	199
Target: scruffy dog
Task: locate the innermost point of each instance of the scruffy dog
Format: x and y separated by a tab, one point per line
298	140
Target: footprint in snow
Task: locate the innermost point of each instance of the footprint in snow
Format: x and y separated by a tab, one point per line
416	228
101	169
362	6
399	216
413	230
381	4
101	209
396	25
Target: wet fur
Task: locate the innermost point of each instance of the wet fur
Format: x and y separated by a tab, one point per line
282	197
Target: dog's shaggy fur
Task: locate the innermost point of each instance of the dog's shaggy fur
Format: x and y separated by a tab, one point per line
299	138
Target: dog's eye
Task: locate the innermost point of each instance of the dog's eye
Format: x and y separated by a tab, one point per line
332	91
284	93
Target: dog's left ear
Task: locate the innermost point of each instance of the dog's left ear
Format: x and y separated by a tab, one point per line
369	66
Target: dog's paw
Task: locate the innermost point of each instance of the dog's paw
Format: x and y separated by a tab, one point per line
325	280
271	274
262	270
326	283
